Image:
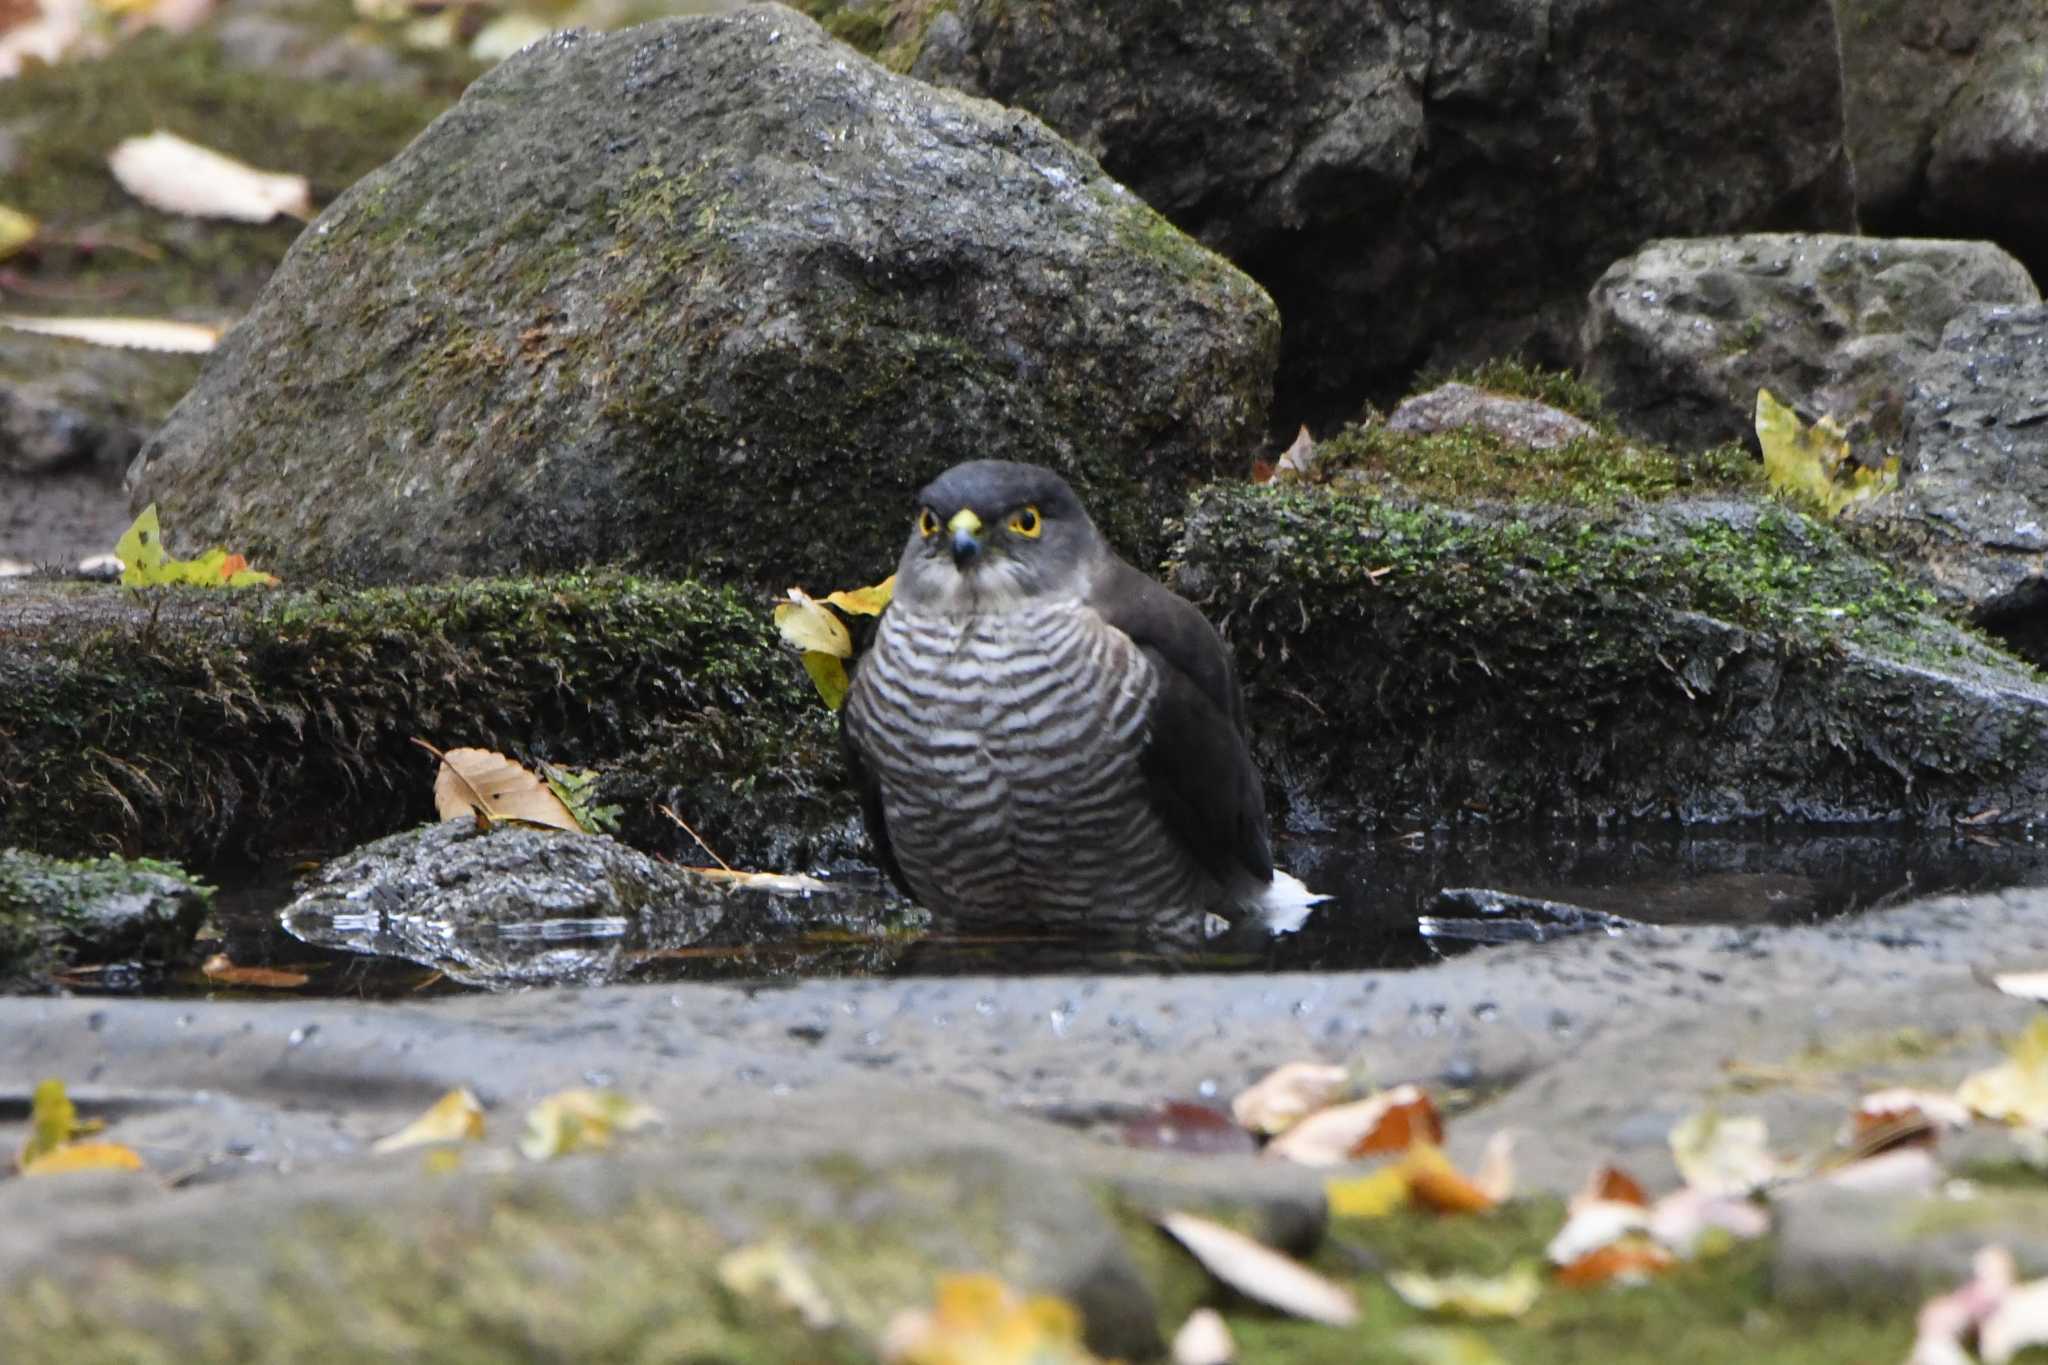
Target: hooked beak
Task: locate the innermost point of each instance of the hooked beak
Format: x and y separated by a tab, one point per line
966	528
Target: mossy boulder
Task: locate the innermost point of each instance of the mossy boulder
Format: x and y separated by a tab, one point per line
106	909
712	295
212	727
1697	659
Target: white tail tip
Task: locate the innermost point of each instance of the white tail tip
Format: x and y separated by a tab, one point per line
1284	905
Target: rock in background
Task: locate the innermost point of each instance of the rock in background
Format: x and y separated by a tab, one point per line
1428	182
1680	336
717	295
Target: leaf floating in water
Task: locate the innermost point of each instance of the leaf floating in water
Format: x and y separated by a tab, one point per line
134	334
456	1117
221	968
491	787
166	172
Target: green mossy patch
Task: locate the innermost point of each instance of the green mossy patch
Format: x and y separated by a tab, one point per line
53	911
261	724
892	32
1698	659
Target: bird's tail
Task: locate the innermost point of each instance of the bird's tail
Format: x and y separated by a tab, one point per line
1284	903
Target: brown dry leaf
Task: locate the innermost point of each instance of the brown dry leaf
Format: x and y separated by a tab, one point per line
84	1156
1388	1122
132	334
784	883
457	1116
1204	1339
1885	1119
1612	1184
1259	1272
220	967
493	787
1435	1183
1593	1224
61	28
166	172
1630	1261
1286	1094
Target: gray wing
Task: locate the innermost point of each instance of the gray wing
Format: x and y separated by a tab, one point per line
1197	767
871	813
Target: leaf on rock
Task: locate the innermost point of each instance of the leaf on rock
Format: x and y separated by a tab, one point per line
220	967
1726	1155
145	565
579	1120
84	1156
1593	1224
781	883
1630	1260
491	787
1387	1122
576	788
167	172
979	1320
456	1117
1885	1119
1815	462
1297	464
1285	1095
1611	1183
1435	1183
1374	1195
2016	1090
1508	1295
1259	1272
772	1273
132	334
52	1122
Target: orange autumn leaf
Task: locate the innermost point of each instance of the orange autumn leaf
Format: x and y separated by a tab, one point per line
84	1156
1613	1185
1435	1183
1387	1122
221	968
1629	1260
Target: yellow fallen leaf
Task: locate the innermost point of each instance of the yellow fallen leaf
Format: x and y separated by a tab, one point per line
167	172
1374	1195
1259	1272
52	1122
17	230
580	1120
773	1273
456	1117
1287	1094
491	787
1473	1296
1435	1183
867	601
806	623
1446	1346
84	1156
2016	1090
145	565
979	1320
133	334
1814	462
828	675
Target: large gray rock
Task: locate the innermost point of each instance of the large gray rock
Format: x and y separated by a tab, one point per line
1972	507
714	294
1681	335
1946	124
1428	180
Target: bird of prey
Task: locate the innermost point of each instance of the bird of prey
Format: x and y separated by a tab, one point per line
1042	734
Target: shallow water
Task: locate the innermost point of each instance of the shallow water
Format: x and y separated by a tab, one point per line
1381	888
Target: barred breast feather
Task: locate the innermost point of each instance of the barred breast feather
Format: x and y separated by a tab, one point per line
1006	747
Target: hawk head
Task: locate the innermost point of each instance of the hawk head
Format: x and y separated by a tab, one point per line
994	534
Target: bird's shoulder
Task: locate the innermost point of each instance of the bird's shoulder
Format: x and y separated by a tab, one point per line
1169	628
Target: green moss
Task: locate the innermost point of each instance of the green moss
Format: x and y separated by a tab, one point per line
1714	1310
892	32
1560	389
1471	462
212	727
52	911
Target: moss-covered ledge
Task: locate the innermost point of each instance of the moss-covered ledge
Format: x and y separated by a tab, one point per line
214	727
1698	659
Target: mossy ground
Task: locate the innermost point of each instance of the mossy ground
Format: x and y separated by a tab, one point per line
51	907
208	729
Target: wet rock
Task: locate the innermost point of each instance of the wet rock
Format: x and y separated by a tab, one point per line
515	906
1882	1249
1694	660
1370	163
741	293
1680	336
1988	167
1971	511
53	912
1523	421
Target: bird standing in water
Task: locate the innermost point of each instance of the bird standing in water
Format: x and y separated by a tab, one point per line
1043	734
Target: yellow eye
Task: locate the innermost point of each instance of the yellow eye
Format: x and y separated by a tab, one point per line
1027	523
927	522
